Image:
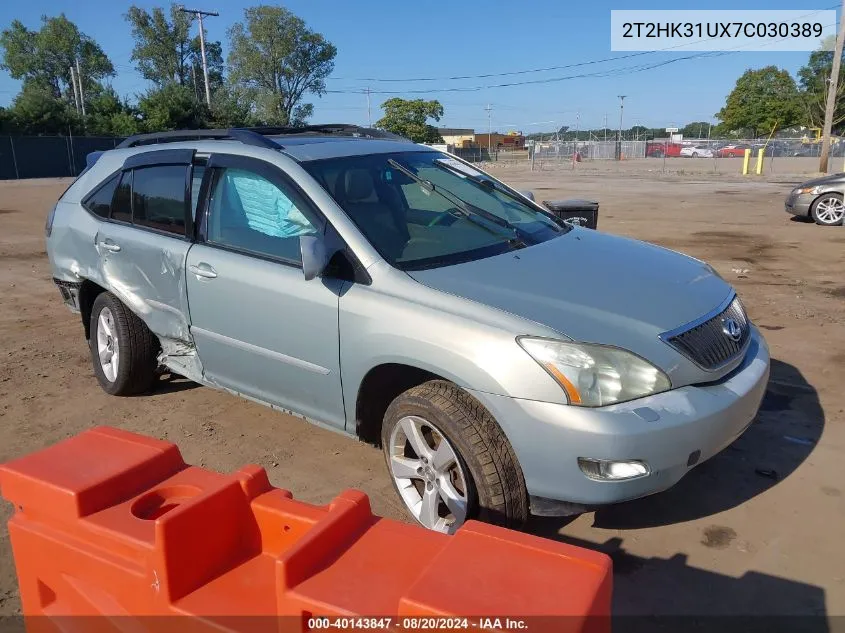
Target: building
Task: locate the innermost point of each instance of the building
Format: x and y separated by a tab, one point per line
511	140
457	137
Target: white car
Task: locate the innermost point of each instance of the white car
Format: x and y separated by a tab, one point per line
697	152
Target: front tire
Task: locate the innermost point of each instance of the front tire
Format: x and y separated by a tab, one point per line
450	461
123	350
828	209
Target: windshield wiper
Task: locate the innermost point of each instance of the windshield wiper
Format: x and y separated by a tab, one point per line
466	209
488	183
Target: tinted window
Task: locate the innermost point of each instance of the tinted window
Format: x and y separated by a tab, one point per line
122	206
158	198
250	213
99	202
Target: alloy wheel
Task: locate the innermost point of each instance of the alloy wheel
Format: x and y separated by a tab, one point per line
428	474
830	210
108	349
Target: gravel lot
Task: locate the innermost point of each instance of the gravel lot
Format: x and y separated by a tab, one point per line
756	530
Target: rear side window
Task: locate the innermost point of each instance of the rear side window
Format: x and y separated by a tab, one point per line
122	205
158	198
99	202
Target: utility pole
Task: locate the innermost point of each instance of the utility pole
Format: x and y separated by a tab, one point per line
621	111
605	127
489	109
81	90
199	13
832	88
369	119
194	75
75	93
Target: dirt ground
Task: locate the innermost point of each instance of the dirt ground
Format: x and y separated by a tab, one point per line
756	530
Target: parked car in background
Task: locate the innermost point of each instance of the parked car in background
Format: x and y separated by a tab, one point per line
732	151
502	359
820	199
699	151
657	149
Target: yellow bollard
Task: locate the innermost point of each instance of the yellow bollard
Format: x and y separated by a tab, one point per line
745	162
760	160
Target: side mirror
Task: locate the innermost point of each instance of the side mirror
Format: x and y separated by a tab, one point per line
314	255
527	194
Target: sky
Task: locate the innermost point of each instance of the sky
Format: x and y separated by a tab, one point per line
379	40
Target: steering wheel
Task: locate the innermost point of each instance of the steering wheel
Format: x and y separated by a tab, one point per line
451	212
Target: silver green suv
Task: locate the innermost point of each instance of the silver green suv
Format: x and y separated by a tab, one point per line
505	361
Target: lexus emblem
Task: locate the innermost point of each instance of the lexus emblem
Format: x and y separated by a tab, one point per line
732	329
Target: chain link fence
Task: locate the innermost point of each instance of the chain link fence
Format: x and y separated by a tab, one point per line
48	156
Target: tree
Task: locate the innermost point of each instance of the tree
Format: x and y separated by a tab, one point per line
275	53
172	107
813	78
108	115
761	101
409	118
36	111
46	56
165	52
696	129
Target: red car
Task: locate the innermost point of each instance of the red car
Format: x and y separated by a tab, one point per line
732	151
656	149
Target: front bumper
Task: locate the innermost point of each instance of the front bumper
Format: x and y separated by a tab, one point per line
799	204
671	431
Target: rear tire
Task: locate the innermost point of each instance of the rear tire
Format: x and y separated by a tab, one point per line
828	209
123	350
493	488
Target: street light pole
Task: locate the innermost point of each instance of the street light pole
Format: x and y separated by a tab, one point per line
621	111
489	109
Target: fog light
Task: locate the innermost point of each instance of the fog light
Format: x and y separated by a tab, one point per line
607	470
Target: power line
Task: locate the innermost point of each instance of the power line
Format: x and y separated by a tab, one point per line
603	73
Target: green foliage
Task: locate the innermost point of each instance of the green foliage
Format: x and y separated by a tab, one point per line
165	52
813	78
277	55
45	56
761	101
109	116
409	118
696	129
36	111
172	107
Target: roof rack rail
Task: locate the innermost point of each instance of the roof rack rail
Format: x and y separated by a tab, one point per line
257	135
244	135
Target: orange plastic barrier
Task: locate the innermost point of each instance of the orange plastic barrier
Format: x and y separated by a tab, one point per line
110	523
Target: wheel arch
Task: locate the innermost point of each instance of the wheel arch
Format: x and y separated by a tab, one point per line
378	388
88	293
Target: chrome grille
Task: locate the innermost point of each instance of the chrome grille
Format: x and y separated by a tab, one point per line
708	344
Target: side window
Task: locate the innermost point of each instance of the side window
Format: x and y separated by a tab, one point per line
250	213
122	205
158	198
99	202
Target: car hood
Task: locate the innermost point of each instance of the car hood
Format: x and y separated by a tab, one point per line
824	180
592	287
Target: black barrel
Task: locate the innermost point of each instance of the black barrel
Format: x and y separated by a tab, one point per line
580	212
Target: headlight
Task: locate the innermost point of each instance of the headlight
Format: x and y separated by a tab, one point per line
812	190
596	375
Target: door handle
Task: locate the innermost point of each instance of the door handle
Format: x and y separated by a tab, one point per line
110	246
203	270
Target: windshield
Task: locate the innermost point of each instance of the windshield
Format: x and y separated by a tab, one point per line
427	209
